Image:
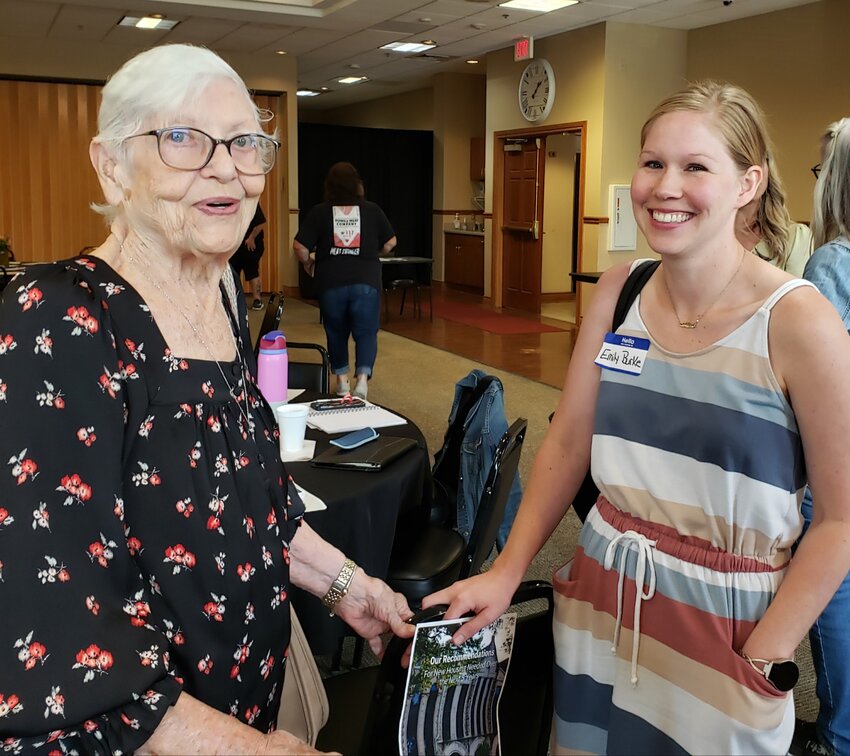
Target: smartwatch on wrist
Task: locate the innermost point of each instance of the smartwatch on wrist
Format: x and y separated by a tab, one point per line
782	674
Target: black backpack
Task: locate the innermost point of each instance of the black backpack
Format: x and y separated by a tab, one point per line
445	473
588	493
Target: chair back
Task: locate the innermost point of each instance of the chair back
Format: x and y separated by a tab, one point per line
526	704
271	318
494	499
313	376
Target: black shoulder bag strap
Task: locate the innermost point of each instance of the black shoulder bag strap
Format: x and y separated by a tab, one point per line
588	493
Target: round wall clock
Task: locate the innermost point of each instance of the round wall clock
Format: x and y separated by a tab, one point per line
536	90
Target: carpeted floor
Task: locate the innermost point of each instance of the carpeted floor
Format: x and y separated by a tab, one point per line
418	380
489	320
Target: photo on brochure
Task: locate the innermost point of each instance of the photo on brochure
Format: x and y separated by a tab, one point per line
452	696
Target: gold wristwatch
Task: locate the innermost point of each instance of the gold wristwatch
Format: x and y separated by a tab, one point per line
339	587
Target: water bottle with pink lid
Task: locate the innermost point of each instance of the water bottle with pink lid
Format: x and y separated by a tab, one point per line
273	367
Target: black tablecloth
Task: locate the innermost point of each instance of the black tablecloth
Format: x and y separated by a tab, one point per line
363	511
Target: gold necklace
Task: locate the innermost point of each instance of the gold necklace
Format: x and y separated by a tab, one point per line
691	324
246	414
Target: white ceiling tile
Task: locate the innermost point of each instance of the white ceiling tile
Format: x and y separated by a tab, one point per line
201	31
252	37
25	18
84	22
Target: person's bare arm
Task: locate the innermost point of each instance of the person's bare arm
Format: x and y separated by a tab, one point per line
370	607
815	372
389	246
559	468
304	257
251	240
192	728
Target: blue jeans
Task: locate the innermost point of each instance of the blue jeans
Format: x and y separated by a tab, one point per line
353	310
830	641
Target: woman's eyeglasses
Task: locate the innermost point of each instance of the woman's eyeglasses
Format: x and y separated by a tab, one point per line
189	149
816	170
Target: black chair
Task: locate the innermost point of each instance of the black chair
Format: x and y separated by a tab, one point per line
366	704
428	557
404	285
271	318
313	376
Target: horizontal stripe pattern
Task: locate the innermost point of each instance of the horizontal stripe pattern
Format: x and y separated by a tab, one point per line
700	467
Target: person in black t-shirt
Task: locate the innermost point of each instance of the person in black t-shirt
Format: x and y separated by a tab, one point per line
247	257
340	242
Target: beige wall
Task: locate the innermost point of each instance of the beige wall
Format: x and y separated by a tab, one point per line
795	63
561	152
452	107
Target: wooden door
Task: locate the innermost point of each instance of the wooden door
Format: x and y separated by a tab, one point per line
522	245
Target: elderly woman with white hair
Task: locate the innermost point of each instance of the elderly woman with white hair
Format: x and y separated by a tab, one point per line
148	530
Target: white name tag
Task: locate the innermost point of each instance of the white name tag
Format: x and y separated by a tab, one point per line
625	354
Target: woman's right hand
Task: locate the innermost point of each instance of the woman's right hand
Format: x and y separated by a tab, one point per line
487	595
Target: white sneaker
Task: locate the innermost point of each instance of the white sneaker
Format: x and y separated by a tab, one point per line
362	387
343	387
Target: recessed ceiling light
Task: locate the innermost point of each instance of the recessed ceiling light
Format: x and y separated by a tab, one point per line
353	79
307	93
541	6
472	61
148	22
325	89
410	47
280	52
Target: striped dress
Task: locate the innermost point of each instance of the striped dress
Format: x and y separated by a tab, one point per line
701	472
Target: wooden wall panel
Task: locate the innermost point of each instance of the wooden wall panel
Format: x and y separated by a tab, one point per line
47	182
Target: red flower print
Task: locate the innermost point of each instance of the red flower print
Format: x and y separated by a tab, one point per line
91	726
251	713
93	659
179	557
245	571
82	320
7	343
92	605
138	609
205	665
78	491
29	296
55	702
9	704
102	551
185	507
207	389
5	518
214	609
86	435
110	383
30	652
88	264
134	545
23	468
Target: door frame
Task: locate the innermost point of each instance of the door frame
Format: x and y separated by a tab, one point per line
499	139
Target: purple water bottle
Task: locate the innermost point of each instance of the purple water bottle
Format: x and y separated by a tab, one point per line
273	367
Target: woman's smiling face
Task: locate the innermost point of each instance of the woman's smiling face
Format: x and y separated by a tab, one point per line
200	212
687	188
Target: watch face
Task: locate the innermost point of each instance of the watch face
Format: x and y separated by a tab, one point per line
536	90
783	675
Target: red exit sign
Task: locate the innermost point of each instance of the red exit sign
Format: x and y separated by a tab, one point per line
524	48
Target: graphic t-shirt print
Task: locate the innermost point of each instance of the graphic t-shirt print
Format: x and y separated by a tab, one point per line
346	220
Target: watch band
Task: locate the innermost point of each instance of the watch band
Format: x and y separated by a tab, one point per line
339	587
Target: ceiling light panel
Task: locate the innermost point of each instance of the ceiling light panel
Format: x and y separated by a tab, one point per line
408	47
538	6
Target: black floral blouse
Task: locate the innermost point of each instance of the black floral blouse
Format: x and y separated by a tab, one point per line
144	528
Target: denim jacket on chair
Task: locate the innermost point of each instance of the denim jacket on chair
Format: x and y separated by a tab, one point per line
485	426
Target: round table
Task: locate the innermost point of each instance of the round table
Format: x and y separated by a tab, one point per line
363	509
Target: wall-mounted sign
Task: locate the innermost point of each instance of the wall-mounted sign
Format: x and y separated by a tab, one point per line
523	48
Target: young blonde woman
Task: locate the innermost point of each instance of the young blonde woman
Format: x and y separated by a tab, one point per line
677	620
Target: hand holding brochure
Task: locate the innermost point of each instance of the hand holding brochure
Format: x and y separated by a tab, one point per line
353	418
452	695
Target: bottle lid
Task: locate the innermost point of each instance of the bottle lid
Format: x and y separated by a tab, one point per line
273	342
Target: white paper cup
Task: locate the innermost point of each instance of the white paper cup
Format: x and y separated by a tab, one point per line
292	421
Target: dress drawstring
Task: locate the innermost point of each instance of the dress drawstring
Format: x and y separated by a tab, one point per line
643	546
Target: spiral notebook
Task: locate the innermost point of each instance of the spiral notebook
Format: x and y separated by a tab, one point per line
353	418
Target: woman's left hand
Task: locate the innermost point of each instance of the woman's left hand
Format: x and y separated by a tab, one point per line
371	608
